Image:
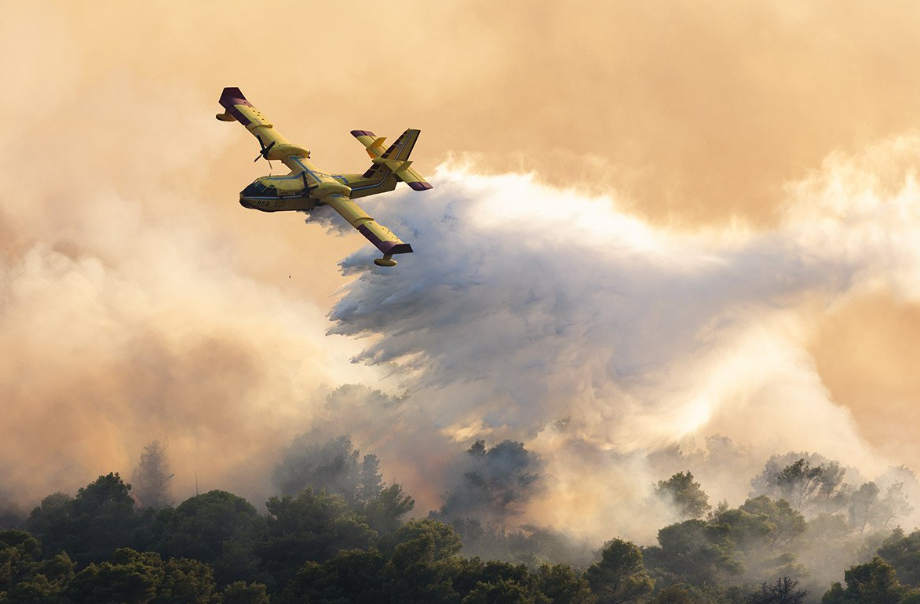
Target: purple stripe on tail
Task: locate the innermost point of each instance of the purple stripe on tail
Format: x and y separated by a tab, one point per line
419	186
357	133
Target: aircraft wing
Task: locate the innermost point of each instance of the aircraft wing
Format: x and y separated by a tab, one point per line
237	108
382	237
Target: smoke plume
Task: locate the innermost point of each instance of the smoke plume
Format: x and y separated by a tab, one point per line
542	315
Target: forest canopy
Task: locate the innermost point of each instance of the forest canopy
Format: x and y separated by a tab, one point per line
336	532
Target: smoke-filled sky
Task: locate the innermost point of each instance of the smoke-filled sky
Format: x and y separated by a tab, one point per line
652	222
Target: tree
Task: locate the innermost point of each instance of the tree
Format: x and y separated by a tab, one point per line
903	553
130	577
803	480
495	484
783	591
187	581
425	540
695	552
501	591
686	495
314	526
893	505
385	511
785	523
560	585
151	477
90	526
246	593
620	576
19	552
331	467
800	482
864	506
218	528
875	582
370	482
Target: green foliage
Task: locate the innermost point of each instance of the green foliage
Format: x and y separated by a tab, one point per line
676	594
686	495
240	592
695	552
501	591
130	577
91	525
322	547
352	576
310	527
528	544
783	523
875	582
806	481
218	528
385	511
559	584
37	589
903	553
187	582
424	542
620	575
51	520
19	552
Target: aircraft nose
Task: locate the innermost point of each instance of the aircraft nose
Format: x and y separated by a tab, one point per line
252	190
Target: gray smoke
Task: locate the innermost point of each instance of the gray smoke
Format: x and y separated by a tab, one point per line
541	315
494	484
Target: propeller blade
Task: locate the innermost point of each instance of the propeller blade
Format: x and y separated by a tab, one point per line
264	150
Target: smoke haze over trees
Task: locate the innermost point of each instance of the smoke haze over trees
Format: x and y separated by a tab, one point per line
729	245
347	536
150	479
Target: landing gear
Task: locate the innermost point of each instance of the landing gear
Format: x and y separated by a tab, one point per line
387	260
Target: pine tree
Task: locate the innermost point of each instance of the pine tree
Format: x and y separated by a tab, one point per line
151	477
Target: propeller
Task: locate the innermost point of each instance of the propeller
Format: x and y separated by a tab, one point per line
264	151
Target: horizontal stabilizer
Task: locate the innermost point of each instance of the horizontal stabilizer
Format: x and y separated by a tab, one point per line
395	160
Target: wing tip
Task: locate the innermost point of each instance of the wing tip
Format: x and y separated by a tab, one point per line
420	185
400	248
357	133
232	95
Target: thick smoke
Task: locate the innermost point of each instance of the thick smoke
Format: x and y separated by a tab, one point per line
495	485
129	306
538	314
139	302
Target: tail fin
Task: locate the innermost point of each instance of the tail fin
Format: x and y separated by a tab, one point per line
395	159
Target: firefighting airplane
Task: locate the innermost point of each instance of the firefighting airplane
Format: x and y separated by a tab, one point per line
306	187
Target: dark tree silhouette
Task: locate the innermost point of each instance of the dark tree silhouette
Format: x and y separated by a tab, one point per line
783	591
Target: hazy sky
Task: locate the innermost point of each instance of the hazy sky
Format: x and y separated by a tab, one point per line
726	187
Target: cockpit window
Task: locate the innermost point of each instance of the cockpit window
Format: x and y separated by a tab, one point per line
258	189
